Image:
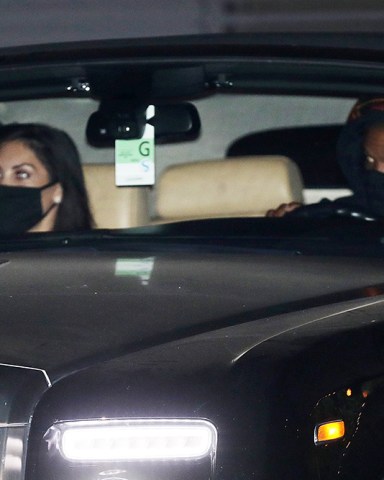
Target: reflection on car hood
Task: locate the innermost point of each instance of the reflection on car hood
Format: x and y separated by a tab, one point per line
64	310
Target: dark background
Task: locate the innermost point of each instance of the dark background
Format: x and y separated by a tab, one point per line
41	21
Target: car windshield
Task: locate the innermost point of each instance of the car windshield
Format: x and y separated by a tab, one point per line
233	137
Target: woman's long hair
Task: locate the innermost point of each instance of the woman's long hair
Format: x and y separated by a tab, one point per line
59	155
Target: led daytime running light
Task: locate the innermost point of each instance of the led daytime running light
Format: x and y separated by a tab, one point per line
111	440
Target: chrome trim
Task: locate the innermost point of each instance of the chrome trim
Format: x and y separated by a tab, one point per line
13	425
48	380
21	388
13	458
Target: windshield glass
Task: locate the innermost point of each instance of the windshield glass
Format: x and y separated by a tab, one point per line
145	144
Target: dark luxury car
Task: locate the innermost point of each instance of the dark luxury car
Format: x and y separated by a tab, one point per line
188	335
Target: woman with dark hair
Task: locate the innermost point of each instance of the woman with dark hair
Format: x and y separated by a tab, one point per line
41	181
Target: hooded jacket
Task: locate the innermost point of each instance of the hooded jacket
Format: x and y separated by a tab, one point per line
367	200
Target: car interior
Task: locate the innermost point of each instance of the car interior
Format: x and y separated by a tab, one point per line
273	141
306	146
237	186
264	160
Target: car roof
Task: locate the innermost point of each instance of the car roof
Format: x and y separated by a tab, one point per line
197	65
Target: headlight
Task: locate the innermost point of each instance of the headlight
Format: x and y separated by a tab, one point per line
133	440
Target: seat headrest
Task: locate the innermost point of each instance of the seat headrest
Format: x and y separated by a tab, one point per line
239	186
114	207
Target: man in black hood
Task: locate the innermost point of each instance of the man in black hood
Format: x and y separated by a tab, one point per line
360	153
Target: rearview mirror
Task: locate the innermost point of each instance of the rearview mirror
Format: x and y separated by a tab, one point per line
119	120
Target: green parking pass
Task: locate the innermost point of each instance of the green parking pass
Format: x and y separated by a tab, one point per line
135	160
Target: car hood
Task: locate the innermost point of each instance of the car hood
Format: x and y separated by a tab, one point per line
65	310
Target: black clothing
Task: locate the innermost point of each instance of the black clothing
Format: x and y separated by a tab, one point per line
367	185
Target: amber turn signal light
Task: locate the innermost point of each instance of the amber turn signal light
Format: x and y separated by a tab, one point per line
329	431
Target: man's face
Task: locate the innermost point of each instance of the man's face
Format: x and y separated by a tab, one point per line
374	148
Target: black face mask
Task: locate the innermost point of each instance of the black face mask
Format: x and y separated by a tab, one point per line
20	208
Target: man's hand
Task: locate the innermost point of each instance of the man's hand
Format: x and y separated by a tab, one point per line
282	209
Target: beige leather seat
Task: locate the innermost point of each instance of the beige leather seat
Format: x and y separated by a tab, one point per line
114	207
239	186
